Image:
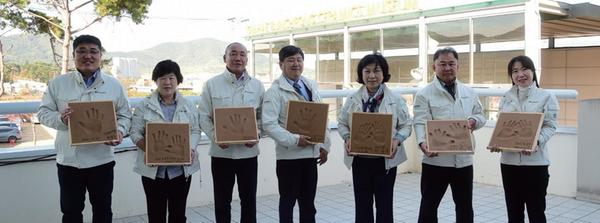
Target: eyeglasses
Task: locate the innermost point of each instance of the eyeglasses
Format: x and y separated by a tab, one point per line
92	52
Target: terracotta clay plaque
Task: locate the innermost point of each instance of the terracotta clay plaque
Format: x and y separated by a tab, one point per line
235	125
308	118
517	131
449	136
92	122
168	144
371	134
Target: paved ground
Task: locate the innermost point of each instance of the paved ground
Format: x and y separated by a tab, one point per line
336	204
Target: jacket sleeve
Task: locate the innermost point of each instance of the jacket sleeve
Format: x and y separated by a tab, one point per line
477	112
259	110
551	109
270	119
48	113
422	113
205	112
344	120
123	112
138	124
196	133
404	122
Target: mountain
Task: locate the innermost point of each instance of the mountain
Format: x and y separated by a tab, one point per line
197	56
26	48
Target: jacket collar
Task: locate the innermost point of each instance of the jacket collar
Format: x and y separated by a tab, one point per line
357	97
285	85
78	77
531	92
231	76
457	90
154	104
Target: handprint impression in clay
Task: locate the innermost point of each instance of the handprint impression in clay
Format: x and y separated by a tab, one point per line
370	135
236	125
162	144
177	145
91	125
521	128
307	117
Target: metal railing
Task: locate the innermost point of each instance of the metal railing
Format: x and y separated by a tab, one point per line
45	150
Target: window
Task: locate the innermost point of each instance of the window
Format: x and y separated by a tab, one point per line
454	34
497	39
331	58
309	47
401	50
362	44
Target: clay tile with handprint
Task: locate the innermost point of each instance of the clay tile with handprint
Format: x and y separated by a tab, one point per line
235	125
308	118
449	136
371	134
517	131
167	144
92	122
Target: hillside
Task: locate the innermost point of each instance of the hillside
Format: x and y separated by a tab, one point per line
197	56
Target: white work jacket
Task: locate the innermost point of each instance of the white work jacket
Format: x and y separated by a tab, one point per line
390	104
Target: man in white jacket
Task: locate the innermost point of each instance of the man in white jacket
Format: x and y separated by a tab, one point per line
445	98
85	167
233	88
297	157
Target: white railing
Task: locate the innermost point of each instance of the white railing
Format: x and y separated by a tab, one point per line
45	150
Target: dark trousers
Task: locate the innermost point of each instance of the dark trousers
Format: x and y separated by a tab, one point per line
370	178
297	180
74	182
525	186
163	194
224	173
435	181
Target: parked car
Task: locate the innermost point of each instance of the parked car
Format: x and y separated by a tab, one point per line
10	124
9	134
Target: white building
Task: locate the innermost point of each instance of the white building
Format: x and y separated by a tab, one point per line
125	67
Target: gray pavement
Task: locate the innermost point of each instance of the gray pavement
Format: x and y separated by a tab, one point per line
336	204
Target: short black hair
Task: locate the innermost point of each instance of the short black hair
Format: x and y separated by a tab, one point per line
165	67
376	59
525	62
445	50
288	51
87	39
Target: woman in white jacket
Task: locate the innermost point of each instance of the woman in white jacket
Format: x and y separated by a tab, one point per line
165	185
374	176
525	174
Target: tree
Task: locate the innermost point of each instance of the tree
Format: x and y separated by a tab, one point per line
60	27
13	19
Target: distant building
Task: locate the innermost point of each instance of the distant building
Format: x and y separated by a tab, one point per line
18	86
125	67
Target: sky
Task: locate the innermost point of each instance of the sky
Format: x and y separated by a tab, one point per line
185	20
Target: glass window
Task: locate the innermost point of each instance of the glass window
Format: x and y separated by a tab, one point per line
453	34
266	60
309	47
331	58
497	39
261	58
275	47
401	50
361	44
